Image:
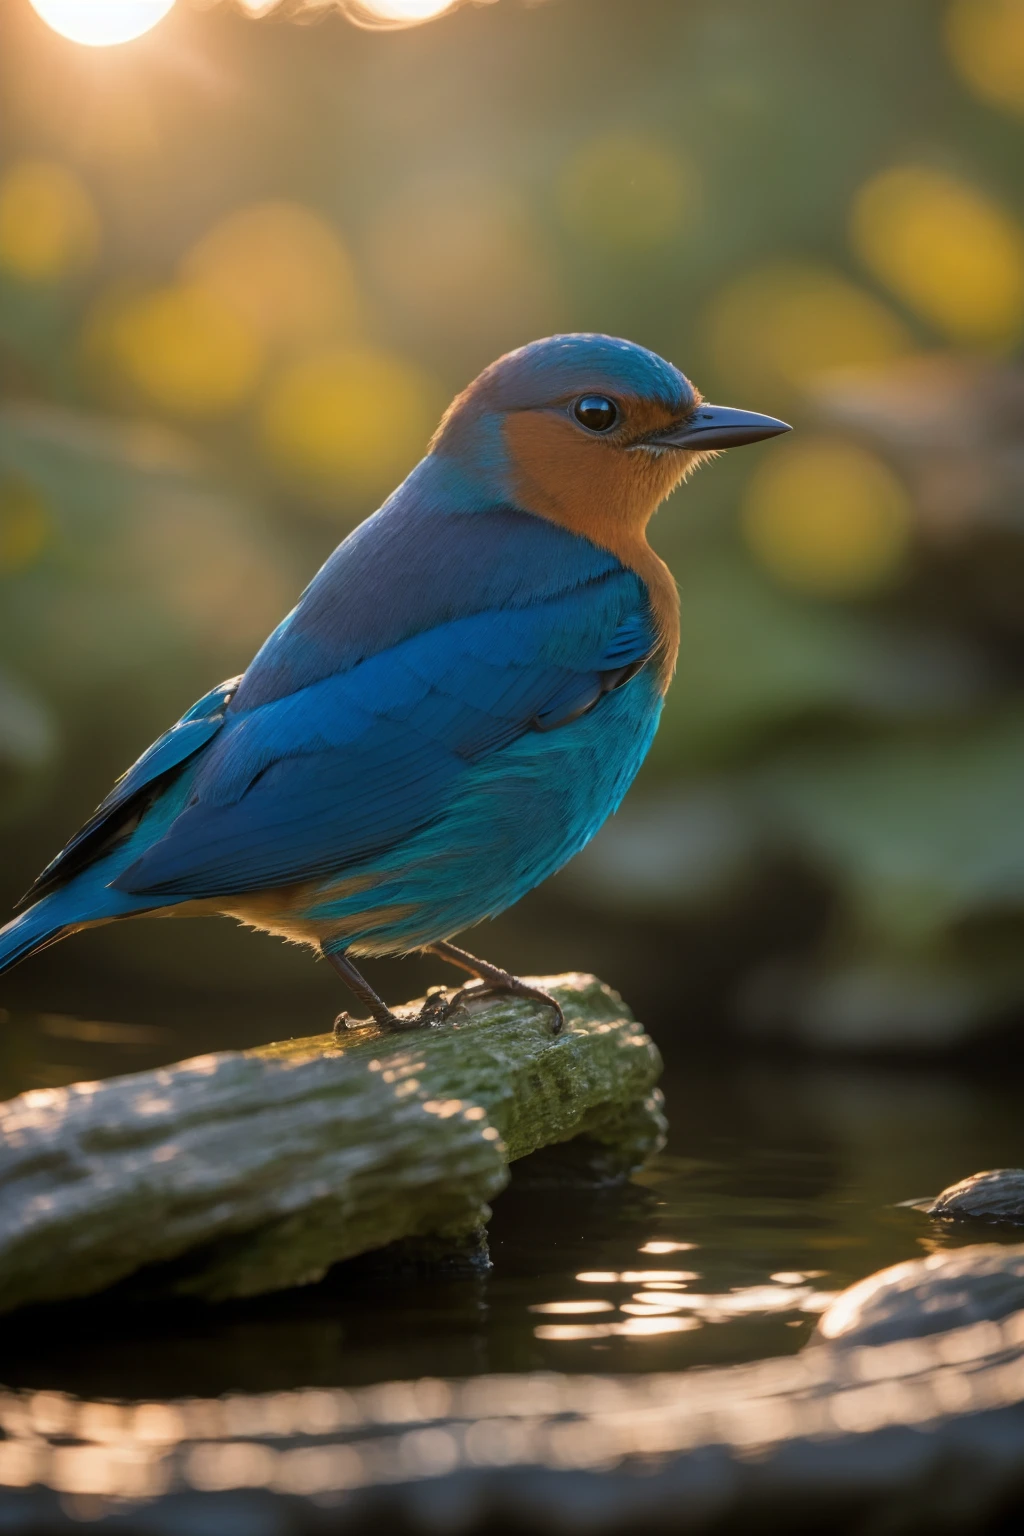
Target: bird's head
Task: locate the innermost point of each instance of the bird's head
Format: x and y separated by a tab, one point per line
589	431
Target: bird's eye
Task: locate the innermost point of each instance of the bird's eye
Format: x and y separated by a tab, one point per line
596	412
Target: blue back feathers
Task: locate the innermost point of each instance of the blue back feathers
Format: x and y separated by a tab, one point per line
433	553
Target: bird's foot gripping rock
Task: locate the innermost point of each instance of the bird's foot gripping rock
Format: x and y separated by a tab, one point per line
439	1006
491	981
435	1011
509	986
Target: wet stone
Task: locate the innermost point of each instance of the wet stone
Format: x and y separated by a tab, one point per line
996	1196
983	1283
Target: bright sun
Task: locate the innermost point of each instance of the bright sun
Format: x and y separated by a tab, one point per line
407	10
99	23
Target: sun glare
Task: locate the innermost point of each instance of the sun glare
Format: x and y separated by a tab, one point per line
399	12
100	23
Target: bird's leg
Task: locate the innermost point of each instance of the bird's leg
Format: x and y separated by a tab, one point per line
494	980
379	1010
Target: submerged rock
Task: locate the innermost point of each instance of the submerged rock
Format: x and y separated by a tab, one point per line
994	1196
984	1283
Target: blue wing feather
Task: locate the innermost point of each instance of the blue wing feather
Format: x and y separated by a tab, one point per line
167	754
312	783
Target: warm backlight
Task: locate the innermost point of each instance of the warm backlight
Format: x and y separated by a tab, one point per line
99	23
399	11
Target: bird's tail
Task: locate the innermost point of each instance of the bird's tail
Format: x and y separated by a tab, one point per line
31	931
86	900
88	897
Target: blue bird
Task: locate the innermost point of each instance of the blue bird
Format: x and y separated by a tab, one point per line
461	697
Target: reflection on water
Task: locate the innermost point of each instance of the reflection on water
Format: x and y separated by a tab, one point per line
326	1443
666	1293
780	1186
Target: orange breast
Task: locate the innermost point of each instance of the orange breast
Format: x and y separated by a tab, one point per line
606	493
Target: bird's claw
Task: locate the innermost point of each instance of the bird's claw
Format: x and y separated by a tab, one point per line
538	995
511	987
433	1012
344	1021
396	1022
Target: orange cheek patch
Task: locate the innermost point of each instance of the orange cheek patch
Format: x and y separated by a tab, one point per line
603	492
563	475
593	487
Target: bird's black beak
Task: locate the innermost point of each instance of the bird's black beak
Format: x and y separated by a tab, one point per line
719	426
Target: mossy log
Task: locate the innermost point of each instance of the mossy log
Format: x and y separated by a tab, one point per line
244	1172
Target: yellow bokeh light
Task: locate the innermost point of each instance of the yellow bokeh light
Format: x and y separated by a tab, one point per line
101	23
627	192
49	228
827	517
777	329
282	267
985	41
353	419
949	251
25	528
183	350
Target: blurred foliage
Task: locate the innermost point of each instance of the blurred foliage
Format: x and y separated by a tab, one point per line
947	250
328	418
829	517
782	325
627	193
985	39
48	224
244	263
182	350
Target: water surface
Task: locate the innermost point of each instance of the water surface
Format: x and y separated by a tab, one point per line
781	1184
